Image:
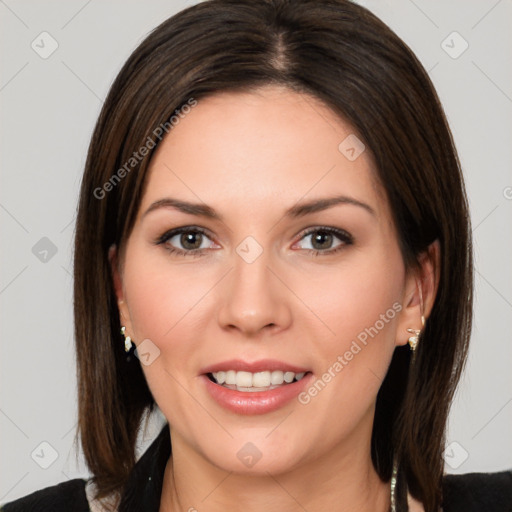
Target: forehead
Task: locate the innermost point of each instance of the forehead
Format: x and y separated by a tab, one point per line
261	149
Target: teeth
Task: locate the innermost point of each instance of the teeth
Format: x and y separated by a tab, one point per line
247	381
289	376
277	377
230	377
260	380
244	379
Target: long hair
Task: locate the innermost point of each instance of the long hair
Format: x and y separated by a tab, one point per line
342	54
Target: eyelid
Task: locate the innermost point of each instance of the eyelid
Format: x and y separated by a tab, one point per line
164	238
182	229
344	236
341	233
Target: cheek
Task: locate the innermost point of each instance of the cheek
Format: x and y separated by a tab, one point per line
354	297
159	293
164	300
164	304
359	305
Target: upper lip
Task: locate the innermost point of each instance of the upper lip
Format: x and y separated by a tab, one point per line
253	366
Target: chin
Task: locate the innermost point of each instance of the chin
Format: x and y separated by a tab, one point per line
255	455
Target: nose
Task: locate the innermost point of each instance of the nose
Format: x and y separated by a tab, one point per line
254	300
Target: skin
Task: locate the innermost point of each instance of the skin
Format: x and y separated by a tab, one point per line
250	156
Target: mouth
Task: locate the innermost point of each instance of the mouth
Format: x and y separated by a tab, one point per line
254	388
248	382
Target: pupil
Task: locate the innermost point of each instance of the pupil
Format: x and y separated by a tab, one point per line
322	238
194	239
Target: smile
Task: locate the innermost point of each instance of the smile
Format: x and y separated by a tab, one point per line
250	388
248	382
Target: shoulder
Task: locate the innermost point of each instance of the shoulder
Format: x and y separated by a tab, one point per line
475	492
66	497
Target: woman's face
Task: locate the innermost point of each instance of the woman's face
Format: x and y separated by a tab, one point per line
265	278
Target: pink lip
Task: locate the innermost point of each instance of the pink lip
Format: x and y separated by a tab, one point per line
259	402
253	367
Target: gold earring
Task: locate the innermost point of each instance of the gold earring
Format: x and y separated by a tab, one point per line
413	340
127	340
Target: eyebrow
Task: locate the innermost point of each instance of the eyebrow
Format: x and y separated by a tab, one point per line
297	210
318	205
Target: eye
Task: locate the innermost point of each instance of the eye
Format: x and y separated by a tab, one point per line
187	241
322	240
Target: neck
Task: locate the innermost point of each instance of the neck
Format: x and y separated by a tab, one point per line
342	480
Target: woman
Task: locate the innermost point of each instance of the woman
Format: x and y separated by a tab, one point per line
273	216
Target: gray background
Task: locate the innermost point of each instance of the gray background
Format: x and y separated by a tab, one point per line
49	106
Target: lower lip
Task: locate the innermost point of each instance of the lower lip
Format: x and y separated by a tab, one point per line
257	402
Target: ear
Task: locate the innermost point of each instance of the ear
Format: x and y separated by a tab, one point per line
117	279
420	292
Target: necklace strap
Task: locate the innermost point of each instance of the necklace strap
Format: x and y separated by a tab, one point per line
393	485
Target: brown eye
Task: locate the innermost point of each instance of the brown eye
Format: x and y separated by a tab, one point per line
326	240
186	241
321	240
191	240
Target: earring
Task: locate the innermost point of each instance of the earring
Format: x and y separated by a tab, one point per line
127	340
413	340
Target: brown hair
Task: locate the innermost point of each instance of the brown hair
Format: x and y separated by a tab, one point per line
343	55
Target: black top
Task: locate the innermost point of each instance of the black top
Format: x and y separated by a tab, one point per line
472	492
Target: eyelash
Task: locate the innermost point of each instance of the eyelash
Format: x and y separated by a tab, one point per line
342	235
